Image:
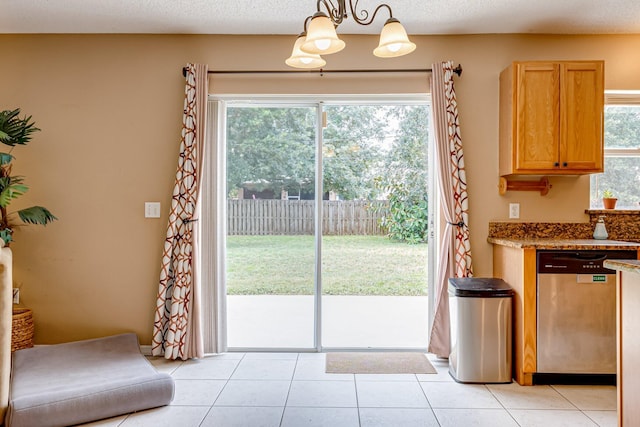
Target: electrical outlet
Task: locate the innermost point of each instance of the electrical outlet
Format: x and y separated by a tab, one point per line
16	295
514	210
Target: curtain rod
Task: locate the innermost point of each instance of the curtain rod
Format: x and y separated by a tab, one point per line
457	70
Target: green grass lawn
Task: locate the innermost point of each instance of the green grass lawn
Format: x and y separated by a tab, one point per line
351	265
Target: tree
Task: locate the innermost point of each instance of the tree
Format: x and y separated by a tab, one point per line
370	152
272	146
352	149
407	159
622	174
622	127
405	176
275	147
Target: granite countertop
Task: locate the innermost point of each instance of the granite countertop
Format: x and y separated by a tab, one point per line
629	265
564	244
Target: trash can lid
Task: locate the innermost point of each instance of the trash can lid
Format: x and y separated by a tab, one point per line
479	287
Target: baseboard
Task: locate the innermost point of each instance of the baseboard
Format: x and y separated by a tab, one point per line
145	350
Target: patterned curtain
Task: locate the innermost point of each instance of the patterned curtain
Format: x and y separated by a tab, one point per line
455	249
177	329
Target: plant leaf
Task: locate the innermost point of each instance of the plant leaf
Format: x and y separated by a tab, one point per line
5	158
14	130
5	235
11	190
36	215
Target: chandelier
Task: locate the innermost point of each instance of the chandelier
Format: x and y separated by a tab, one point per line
319	36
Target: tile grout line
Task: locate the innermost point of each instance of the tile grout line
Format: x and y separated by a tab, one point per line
221	390
435	417
550	386
565	398
502	404
576	406
355	385
286	400
227	380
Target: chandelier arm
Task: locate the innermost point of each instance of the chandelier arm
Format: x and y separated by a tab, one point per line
365	20
336	14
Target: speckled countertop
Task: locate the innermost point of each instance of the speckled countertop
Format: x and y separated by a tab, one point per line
564	244
622	225
629	265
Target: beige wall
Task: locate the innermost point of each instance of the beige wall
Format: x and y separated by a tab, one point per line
110	112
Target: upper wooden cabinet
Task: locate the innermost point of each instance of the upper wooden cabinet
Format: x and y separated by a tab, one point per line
551	118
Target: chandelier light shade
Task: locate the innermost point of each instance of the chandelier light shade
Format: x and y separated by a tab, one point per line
393	41
320	37
301	59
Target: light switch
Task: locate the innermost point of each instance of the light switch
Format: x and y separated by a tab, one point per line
152	209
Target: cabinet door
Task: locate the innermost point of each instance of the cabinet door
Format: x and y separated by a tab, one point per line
538	127
581	116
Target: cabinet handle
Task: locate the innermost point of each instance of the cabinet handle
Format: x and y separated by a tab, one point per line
556	164
565	164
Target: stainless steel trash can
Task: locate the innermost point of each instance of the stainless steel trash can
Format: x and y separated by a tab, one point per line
480	313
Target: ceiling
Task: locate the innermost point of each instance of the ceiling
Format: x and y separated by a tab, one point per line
286	17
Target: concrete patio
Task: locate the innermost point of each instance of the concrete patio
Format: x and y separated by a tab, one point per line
286	321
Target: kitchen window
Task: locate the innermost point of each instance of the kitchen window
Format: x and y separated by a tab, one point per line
621	151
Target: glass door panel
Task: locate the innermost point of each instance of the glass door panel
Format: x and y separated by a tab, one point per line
271	208
374	233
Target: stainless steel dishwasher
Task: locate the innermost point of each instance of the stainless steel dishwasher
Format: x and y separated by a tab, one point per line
576	313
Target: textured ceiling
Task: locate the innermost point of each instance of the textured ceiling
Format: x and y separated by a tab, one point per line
286	17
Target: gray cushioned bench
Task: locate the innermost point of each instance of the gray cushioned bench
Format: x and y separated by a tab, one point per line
83	381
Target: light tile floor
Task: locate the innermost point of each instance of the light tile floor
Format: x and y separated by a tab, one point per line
293	390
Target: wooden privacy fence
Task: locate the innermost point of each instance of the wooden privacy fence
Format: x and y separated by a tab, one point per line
290	217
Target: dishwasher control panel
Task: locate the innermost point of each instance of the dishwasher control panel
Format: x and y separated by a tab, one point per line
579	262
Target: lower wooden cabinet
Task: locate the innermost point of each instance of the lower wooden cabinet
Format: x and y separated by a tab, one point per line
517	267
628	318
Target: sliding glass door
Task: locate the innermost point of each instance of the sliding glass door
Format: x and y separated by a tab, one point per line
326	225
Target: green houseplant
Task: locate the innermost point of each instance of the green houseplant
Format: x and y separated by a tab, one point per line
16	131
608	199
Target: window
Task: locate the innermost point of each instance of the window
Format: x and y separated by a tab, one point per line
621	151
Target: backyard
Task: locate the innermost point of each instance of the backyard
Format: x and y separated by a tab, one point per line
351	265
